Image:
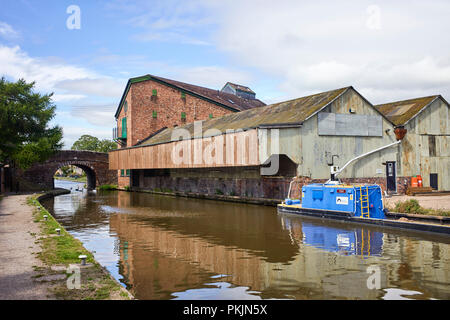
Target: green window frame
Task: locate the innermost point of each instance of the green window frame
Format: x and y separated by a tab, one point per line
154	114
124	127
210	115
127	172
154	92
122	172
183	116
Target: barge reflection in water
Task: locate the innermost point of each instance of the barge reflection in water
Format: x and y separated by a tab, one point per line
176	248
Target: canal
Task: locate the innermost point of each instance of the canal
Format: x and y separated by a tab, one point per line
162	247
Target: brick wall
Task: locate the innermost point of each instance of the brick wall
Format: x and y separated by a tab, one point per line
235	183
402	183
168	104
40	175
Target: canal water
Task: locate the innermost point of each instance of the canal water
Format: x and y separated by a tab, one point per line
162	247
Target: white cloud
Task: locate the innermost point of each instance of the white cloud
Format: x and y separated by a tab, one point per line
17	64
99	114
73	133
6	31
67	97
54	75
323	45
106	87
166	21
72	85
213	77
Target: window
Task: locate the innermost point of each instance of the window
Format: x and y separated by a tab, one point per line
122	172
125	107
154	92
127	172
210	116
154	114
183	116
124	127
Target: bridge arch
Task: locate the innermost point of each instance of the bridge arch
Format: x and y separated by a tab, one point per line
94	164
88	169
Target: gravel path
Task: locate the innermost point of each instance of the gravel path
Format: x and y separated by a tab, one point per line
17	252
429	202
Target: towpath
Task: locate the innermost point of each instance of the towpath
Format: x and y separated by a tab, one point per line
18	250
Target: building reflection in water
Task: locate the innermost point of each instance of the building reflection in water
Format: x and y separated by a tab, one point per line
168	247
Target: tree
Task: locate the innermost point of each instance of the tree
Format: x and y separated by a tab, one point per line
106	145
89	143
25	135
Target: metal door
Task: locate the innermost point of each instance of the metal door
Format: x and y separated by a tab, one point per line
434	180
391	176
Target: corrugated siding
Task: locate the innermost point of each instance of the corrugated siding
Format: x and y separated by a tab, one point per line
418	156
312	152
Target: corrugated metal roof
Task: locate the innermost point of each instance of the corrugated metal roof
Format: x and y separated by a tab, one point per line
288	112
400	112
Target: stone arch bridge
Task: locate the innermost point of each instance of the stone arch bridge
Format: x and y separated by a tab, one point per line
94	164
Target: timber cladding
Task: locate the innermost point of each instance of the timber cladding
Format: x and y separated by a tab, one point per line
231	149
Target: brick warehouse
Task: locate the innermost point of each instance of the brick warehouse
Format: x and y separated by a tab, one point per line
312	131
150	104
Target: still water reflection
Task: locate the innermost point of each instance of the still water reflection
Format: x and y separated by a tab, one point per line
176	248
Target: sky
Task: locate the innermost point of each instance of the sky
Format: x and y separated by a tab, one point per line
84	52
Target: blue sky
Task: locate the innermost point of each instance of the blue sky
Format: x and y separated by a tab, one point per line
285	49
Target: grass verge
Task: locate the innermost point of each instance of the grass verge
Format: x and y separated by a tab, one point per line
80	179
412	206
59	252
108	187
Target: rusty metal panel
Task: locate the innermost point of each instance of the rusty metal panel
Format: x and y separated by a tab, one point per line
350	124
327	123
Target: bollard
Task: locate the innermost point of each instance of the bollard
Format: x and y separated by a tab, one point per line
58	231
83	259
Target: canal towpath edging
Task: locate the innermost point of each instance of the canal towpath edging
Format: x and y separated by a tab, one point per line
34	260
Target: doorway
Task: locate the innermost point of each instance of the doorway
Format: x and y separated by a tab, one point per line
434	181
391	176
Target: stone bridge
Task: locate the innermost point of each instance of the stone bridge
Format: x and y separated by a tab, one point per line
94	164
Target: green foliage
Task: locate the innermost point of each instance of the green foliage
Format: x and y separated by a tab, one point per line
66	170
108	187
89	143
409	206
25	136
413	206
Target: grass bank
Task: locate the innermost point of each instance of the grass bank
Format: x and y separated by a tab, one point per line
61	251
80	179
412	206
108	187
